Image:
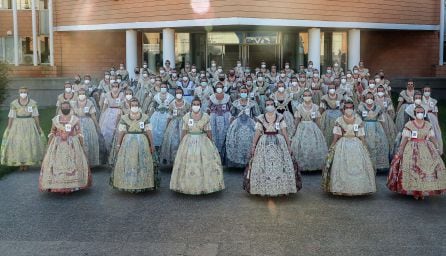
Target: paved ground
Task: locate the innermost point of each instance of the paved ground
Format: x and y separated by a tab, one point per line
101	221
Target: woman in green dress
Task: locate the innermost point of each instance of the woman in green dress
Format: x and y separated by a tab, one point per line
134	170
23	141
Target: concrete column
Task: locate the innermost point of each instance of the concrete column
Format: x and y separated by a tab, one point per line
169	46
34	28
314	47
16	32
131	51
50	31
354	47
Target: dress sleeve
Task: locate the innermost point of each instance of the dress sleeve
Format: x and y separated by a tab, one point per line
406	133
12	112
337	130
297	114
283	124
148	127
259	126
207	126
361	131
122	127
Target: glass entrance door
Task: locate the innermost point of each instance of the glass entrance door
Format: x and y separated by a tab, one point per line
257	53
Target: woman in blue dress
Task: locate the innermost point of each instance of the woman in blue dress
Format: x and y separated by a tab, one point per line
241	131
219	108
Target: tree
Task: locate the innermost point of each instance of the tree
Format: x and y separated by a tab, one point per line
3	81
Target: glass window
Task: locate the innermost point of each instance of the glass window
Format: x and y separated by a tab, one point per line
9	49
333	49
152	50
26	52
198	50
23	4
182	49
295	49
261	38
5	4
44	47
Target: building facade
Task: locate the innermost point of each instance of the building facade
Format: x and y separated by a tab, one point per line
48	38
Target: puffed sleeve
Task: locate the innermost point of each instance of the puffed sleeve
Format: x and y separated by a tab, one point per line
207	126
259	126
337	130
406	133
185	126
92	109
283	124
122	127
297	114
12	112
148	127
35	111
361	131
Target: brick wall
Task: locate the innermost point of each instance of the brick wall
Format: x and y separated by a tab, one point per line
88	52
32	71
400	53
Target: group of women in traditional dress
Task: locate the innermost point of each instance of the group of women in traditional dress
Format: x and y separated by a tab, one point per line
273	124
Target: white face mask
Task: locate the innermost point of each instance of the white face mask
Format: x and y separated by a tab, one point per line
369	101
417	102
134	109
316	75
119	80
213	65
162	72
349	75
356	71
179	96
349	111
294	83
281	89
377	80
185	79
287	66
86	81
68	90
112	81
310	66
23	95
239	64
107	76
427	94
343	80
332	91
380	94
282	75
270	108
220	70
145	75
128	97
82	97
219	90
152	80
260	79
263	66
195	109
144	66
372	86
420	116
307	98
163	90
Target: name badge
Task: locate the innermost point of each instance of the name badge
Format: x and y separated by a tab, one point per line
247	111
338	103
175	112
191	122
385	104
68	127
313	115
431	104
251	95
223	107
30	109
86	109
277	126
118	101
364	113
141	125
90	89
355	127
414	135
